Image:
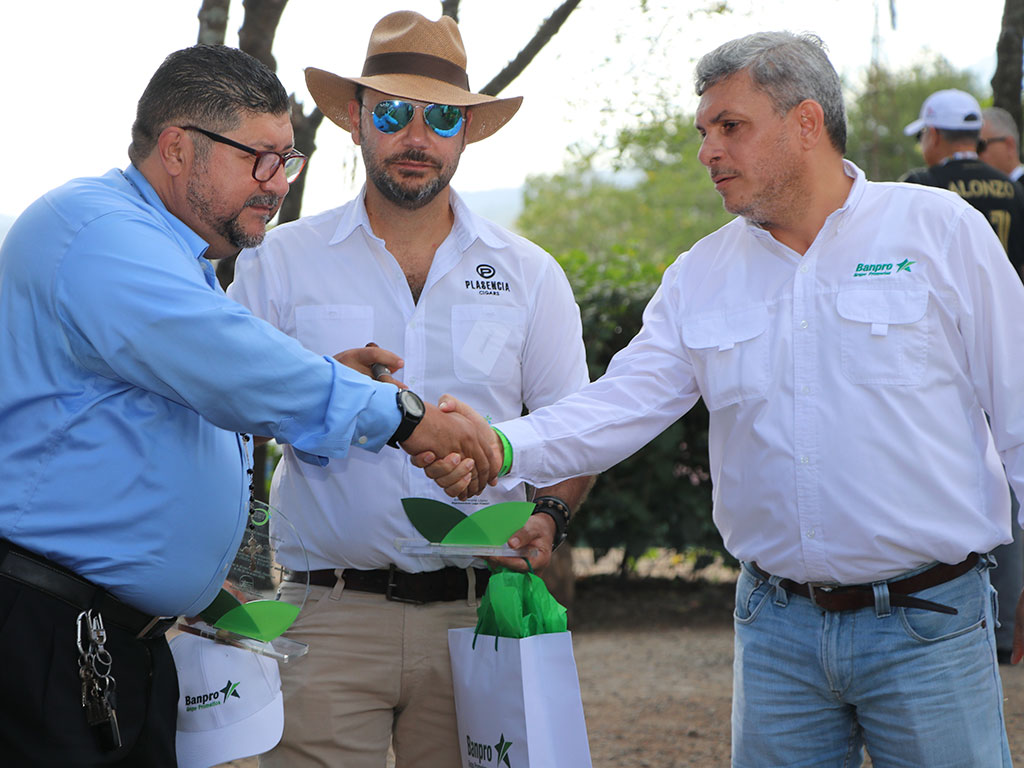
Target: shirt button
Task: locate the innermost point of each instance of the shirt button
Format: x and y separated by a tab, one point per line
803	268
362	439
804	460
810	534
805	390
803	323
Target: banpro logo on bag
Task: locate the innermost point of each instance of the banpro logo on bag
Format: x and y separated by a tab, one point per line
486	755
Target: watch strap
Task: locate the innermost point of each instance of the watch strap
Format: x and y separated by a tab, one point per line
408	422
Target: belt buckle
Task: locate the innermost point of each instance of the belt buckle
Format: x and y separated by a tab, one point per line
813	589
391	585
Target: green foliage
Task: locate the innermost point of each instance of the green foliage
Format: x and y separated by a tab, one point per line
614	241
887	102
655	204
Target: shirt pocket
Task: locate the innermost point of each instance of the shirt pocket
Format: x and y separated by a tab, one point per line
884	335
730	355
487	343
328	329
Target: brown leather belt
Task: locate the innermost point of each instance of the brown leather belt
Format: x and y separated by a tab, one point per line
443	585
863	595
32	570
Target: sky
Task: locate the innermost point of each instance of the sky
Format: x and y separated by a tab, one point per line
73	72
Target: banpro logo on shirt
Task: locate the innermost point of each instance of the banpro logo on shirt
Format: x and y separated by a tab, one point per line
868	270
487	286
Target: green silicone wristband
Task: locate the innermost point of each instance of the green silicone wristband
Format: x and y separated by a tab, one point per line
506	465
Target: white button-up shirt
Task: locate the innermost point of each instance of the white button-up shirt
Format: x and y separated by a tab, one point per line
496	325
848	387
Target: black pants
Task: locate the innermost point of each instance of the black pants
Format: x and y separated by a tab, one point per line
42	723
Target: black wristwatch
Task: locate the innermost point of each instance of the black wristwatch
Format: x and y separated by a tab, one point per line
557	510
412	410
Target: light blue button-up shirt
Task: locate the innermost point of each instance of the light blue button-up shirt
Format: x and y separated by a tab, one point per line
125	376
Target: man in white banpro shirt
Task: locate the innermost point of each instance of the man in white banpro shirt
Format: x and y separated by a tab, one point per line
472	310
848	339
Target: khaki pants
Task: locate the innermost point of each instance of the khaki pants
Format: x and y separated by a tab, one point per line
376	672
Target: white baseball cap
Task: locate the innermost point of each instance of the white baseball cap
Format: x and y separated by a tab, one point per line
951	110
229	702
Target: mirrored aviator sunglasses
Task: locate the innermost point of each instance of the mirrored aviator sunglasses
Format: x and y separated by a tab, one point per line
393	115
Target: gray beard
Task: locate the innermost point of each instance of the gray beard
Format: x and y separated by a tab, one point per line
228	228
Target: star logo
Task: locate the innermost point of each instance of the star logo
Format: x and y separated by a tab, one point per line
904	265
229	690
503	747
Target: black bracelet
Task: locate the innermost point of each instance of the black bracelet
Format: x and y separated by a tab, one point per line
558	511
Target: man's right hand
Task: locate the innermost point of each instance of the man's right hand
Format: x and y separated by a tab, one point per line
460	473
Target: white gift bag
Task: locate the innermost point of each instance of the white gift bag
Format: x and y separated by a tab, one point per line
518	706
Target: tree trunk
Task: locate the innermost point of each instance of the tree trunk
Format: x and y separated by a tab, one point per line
1006	82
543	36
213	22
305	128
256	36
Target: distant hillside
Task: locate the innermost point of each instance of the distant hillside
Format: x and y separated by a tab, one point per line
502	206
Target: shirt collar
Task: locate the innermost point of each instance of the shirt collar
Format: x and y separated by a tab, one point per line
854	196
965	155
195	243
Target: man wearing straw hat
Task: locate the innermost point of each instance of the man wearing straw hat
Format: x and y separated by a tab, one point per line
471	309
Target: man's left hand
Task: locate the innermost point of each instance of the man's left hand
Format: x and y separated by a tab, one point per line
537	536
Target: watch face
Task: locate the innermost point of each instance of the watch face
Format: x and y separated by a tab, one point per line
412	404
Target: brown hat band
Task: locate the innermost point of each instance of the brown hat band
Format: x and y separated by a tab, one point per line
401	63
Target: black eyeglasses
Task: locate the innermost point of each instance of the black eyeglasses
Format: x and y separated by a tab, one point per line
267	161
393	115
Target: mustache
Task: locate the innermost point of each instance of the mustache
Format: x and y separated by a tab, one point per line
268	200
413	156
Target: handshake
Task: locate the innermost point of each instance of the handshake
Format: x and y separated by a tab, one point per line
453	444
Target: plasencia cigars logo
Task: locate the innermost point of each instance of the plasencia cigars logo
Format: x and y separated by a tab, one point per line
487	285
211	699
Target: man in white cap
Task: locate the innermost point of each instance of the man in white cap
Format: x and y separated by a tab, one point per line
948	130
471	309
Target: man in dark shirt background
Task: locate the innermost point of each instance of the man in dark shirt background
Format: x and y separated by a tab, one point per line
949	131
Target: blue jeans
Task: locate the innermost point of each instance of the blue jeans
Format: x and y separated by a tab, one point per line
917	688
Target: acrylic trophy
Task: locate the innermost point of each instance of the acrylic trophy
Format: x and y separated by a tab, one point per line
447	531
246	613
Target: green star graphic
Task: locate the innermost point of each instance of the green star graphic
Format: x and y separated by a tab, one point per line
904	265
229	690
503	747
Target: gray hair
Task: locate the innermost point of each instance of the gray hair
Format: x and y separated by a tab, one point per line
1002	121
788	68
213	86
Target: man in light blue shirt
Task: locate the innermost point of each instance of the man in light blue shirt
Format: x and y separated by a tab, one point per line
127	378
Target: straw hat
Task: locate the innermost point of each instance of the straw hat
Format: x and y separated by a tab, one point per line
412	57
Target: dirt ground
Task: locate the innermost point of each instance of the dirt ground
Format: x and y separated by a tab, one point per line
654	656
